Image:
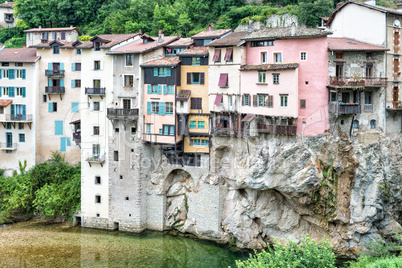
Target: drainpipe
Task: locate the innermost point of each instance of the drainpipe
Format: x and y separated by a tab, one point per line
386	73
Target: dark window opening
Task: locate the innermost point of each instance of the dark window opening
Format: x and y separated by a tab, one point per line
116	155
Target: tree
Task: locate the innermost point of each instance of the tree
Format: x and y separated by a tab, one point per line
312	10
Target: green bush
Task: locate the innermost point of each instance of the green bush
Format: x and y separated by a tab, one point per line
308	254
374	262
15	42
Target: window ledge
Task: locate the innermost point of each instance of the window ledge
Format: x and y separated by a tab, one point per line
261	83
224	86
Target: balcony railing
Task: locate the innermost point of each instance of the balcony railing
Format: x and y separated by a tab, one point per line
100	91
55	90
345	108
118	113
77	136
19	117
9	19
54	73
8	146
224	131
357	81
95	158
289	130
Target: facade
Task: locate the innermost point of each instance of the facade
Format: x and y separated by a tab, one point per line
40	35
288	69
227	56
379	26
356	88
7	18
18	102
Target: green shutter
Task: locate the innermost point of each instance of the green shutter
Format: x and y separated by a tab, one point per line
50	66
23	92
68	141
168	72
149	89
73	67
1	73
72	83
1	90
58	127
159	89
155	71
161	108
23	73
13	109
164	89
11	92
11	74
50	82
61	66
148	107
50	107
74	107
62	144
62	82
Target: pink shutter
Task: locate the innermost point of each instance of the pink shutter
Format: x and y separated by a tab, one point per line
218	99
228	55
216	55
223	80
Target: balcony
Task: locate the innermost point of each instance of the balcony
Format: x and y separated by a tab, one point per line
54	73
345	108
122	114
289	130
97	159
55	90
16	118
77	136
217	131
8	146
9	20
357	81
95	91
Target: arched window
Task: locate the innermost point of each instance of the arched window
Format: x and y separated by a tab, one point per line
355	124
372	124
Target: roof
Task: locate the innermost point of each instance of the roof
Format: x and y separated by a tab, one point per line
110	39
378	8
138	46
65	29
194	51
346	44
211	33
5	103
182	42
76	121
232	39
286	32
7	4
183	95
269	67
60	43
248	118
18	55
165	62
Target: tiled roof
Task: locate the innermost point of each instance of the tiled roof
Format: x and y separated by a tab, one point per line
7	4
345	44
113	39
182	42
211	34
166	61
138	46
5	103
63	44
65	29
194	51
269	67
231	39
286	32
18	55
183	95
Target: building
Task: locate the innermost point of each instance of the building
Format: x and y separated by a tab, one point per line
229	53
39	35
7	18
378	26
356	85
18	102
283	84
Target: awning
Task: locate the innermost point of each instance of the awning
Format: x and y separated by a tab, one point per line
228	55
183	95
217	55
5	103
76	122
223	80
248	118
218	99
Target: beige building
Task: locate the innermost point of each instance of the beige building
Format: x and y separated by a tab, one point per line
40	35
7	18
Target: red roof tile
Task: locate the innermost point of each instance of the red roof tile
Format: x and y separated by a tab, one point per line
269	67
18	55
5	103
232	39
345	44
138	46
112	40
166	61
194	51
64	29
182	42
286	32
211	33
63	44
7	4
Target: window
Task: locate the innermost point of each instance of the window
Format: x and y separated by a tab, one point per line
78	51
278	57
44	98
45	36
97	180
369	70
170	89
264	57
217	55
275	78
368	95
284	100
97	201
18	73
229	55
21	137
338	55
168	130
129	60
339	69
54	36
20	91
127	104
97	65
334	96
97	46
96	83
20	126
163	71
262	43
56	50
133	130
77	83
95	150
8	125
128	80
116	155
169	107
148	128
302	104
5	73
195	61
155	107
261	77
173	51
96	105
223	80
193	124
181	104
303	55
207	41
96	130
204	142
262	99
197	142
355	124
19	64
1	110
5	91
372	124
52	107
201	124
154	89
77	66
369	55
5	64
246	100
63	36
196	103
195	78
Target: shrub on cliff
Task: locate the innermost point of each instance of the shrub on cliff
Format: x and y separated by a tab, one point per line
306	254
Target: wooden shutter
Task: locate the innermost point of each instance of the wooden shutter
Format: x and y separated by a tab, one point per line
228	56
201	78
266	100
242	100
223	79
188	78
255	100
270	101
217	55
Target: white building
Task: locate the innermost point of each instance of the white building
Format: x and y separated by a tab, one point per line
7	18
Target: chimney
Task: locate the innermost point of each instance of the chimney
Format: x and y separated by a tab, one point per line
71	26
40	27
139	31
339	4
210	27
293	29
370	2
399	7
160	38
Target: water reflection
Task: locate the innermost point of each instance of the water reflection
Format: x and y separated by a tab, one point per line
34	244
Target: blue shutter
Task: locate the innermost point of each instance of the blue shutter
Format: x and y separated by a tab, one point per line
1	89
155	71
161	108
50	82
61	66
168	72
72	83
149	89
58	127
50	107
13	109
11	74
1	73
23	92
24	112
164	89
50	66
73	67
11	92
148	107
74	107
62	144
23	73
62	82
159	89
68	141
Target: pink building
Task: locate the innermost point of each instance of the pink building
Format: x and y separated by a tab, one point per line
283	84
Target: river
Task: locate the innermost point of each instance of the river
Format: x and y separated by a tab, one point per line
36	244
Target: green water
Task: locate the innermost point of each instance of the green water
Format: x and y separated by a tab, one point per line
35	244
